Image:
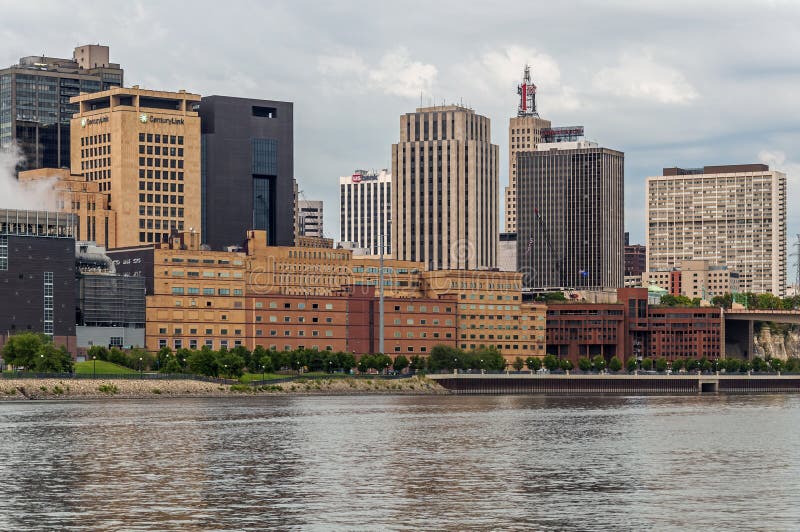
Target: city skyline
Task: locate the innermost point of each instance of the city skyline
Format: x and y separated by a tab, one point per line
667	87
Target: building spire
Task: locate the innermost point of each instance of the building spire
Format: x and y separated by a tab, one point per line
527	95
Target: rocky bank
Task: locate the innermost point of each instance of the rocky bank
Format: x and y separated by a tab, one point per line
33	389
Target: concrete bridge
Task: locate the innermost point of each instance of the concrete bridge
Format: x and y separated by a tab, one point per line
739	326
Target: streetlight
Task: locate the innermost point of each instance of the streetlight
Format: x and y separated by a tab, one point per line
94	366
263	374
226	369
41	362
141	372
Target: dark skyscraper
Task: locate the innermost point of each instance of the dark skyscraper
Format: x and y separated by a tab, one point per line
570	216
247	170
35	110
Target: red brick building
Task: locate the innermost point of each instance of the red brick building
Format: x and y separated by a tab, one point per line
350	322
633	328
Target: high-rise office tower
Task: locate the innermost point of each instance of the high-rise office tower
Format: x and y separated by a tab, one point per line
445	191
524	133
143	149
309	218
570	208
366	210
248	170
732	216
35	107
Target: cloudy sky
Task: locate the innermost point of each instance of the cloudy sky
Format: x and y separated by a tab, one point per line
677	82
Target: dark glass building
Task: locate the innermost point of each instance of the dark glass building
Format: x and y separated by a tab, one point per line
35	110
570	217
247	170
37	275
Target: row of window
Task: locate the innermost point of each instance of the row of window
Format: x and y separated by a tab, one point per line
164	139
160	163
161	198
157	150
92	140
193	290
157	174
168	187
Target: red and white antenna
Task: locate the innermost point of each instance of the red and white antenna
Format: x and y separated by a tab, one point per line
527	95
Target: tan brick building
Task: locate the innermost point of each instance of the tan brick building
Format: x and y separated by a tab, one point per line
95	220
142	148
445	192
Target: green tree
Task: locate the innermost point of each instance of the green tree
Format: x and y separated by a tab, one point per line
255	358
724	301
745	366
52	359
792	365
599	363
776	364
364	363
204	362
22	349
116	356
669	300
647	363
400	363
631	364
346	361
661	364
615	364
533	363
565	364
97	352
550	362
731	365
584	364
230	364
443	357
172	366
705	364
677	364
518	364
759	364
417	364
549	297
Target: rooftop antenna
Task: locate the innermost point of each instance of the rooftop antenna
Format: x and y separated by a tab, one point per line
527	95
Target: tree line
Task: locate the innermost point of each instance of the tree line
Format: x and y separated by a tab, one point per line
36	352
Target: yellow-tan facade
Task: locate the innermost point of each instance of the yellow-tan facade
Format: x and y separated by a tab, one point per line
215	299
142	149
73	194
524	133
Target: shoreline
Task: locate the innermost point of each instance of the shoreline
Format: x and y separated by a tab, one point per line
92	389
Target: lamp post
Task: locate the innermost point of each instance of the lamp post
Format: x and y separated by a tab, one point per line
41	361
226	369
263	374
94	366
141	368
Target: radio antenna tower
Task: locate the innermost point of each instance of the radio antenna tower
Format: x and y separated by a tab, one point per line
527	95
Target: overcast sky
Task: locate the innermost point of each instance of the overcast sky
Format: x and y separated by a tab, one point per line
672	83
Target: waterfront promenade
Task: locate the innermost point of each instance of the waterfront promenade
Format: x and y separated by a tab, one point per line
572	384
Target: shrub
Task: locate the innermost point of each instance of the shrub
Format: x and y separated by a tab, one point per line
614	364
241	388
58	390
109	389
156	391
584	363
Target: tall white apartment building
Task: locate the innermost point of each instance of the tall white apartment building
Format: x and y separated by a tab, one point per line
366	210
732	216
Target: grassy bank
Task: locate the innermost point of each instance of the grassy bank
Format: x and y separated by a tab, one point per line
32	389
103	368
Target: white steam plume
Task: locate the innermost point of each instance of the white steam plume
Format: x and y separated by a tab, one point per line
36	195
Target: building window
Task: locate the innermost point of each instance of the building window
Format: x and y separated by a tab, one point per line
48	303
3	253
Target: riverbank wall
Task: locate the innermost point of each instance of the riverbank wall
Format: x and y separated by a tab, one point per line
513	384
36	389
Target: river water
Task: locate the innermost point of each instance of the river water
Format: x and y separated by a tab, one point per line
402	463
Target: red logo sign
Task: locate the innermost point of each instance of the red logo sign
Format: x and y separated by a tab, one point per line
356	178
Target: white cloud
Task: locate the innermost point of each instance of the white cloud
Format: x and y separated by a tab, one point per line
395	73
776	159
640	76
499	71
